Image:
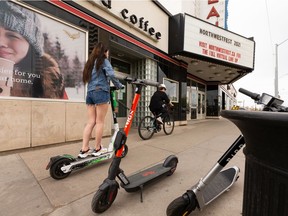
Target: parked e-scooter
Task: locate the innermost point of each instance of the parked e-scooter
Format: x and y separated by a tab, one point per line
217	181
107	191
62	165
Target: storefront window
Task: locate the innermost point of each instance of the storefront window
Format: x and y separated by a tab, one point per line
201	87
172	89
51	63
121	95
120	66
194	84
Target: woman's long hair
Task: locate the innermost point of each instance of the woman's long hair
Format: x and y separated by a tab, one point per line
98	53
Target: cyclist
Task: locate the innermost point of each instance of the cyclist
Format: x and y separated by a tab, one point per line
158	102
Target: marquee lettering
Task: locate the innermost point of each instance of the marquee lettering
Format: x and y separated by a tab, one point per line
106	3
212	1
213	12
141	23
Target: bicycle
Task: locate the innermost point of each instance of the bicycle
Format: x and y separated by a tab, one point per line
150	125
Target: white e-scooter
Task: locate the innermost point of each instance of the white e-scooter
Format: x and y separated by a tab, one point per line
217	181
62	165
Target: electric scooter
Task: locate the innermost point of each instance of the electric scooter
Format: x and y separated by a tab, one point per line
217	181
62	165
107	191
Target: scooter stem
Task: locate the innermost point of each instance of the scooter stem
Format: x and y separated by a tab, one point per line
131	116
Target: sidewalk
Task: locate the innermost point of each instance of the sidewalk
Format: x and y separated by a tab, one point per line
26	188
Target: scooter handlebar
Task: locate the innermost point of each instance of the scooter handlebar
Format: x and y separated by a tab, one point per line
254	96
120	76
151	83
135	80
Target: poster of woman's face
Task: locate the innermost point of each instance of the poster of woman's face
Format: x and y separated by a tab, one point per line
37	60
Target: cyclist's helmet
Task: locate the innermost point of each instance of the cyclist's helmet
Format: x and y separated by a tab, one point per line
162	86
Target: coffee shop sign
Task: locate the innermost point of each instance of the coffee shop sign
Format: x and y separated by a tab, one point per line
140	23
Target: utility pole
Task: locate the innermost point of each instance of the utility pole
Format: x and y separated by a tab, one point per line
276	92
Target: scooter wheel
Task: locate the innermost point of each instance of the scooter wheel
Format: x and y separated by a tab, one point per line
124	153
55	169
172	162
103	199
180	207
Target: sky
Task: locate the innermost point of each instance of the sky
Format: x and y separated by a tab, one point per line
267	22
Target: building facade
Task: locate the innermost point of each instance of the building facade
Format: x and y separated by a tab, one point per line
148	44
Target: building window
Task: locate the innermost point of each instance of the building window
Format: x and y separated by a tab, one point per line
172	89
52	61
120	66
212	100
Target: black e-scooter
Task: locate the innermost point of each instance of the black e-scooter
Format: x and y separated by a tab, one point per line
217	181
108	190
62	165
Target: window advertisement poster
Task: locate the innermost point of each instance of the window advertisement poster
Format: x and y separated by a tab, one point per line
40	56
172	89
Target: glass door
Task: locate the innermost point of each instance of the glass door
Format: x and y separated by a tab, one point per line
123	98
201	107
188	102
191	101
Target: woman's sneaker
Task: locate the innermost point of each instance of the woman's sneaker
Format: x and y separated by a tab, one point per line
98	152
84	154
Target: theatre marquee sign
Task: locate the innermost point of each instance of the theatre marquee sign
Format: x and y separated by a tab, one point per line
208	40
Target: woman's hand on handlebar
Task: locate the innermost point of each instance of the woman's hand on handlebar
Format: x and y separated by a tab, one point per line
114	88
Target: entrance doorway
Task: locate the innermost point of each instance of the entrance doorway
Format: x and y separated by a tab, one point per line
191	103
123	61
196	100
123	98
201	106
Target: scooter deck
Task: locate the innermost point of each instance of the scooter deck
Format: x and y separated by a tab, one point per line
222	182
79	163
146	176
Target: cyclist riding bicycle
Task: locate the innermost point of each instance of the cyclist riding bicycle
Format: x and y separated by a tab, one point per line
158	102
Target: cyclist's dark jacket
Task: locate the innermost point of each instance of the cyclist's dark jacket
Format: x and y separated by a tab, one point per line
157	100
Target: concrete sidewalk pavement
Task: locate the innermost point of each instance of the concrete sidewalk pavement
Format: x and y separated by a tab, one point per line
27	189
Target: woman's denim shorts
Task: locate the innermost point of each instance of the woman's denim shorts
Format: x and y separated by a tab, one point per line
97	97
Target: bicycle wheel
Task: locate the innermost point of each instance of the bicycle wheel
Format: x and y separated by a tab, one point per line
146	127
168	124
